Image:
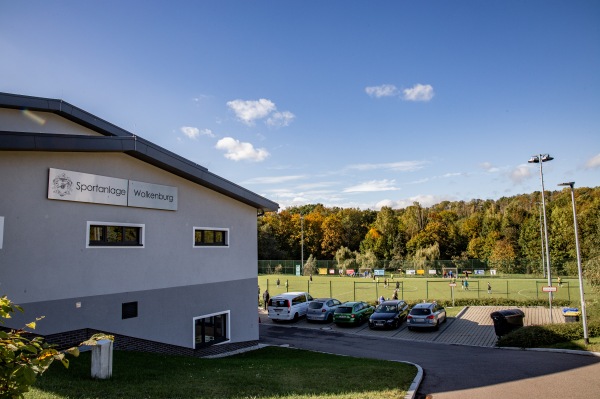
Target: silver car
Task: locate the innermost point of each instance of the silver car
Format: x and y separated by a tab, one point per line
426	315
321	309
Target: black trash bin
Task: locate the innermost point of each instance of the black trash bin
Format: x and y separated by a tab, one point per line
507	320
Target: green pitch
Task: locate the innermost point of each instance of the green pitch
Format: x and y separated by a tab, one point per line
413	289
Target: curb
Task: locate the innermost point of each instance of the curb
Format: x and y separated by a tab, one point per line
414	386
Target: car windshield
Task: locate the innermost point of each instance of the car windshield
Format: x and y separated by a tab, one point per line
315	305
343	309
386	309
420	312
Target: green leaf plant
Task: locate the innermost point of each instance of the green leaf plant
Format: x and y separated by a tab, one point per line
24	356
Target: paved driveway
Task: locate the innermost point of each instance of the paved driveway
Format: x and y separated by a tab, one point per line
474	326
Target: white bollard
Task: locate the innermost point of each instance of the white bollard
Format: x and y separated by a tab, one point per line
102	354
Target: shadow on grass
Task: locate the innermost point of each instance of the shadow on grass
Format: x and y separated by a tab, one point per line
265	373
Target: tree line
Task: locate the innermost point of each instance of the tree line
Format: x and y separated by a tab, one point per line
507	232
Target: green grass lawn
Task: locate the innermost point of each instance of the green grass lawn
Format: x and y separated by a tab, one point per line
267	373
413	289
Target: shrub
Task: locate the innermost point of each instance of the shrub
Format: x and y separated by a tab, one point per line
23	356
540	336
503	302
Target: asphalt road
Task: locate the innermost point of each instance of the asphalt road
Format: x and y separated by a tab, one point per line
456	371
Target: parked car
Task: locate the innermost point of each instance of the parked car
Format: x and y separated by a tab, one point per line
321	309
289	306
352	313
389	314
426	315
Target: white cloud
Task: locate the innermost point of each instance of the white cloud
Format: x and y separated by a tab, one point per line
373	185
281	119
385	90
249	111
423	200
191	132
274	179
520	173
194	132
419	92
403	166
239	151
593	162
489	167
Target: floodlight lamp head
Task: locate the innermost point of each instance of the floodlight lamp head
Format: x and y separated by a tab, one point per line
570	184
546	157
534	159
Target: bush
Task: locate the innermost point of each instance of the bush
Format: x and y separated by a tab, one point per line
503	302
540	336
23	356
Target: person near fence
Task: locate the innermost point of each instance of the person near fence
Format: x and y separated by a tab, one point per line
266	298
395	296
489	288
466	285
278	282
381	299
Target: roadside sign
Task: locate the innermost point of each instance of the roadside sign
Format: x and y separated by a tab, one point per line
452	284
549	289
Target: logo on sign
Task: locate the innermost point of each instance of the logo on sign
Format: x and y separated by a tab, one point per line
62	185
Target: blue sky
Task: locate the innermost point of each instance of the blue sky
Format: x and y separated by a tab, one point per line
345	103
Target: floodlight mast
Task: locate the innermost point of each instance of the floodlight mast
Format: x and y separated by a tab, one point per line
579	269
541	158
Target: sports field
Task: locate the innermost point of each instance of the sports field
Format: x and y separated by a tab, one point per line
413	289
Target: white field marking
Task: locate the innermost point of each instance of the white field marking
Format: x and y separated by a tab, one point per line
521	292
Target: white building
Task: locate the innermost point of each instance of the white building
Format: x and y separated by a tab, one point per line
101	230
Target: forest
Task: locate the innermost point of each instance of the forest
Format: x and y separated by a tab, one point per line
506	233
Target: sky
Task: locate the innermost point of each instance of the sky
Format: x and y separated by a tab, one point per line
358	104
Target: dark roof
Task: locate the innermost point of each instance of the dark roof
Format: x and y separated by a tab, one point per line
114	139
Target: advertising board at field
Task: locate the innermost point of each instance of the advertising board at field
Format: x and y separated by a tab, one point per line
67	185
481	272
493	272
421	272
379	272
350	272
432	271
322	270
411	271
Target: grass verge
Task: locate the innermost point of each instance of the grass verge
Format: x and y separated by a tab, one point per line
267	373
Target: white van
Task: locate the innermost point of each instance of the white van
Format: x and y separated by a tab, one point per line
289	306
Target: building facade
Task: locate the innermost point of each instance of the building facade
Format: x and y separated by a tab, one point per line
101	230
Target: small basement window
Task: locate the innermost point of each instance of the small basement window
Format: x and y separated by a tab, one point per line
129	310
211	329
210	237
115	235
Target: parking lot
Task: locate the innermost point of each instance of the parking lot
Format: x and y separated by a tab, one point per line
473	326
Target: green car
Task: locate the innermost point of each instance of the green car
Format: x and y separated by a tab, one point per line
354	313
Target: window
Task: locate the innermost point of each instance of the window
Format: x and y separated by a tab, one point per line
209	237
102	234
211	329
129	310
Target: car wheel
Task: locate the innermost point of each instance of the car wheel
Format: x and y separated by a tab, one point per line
445	319
330	318
396	324
437	326
296	317
410	328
